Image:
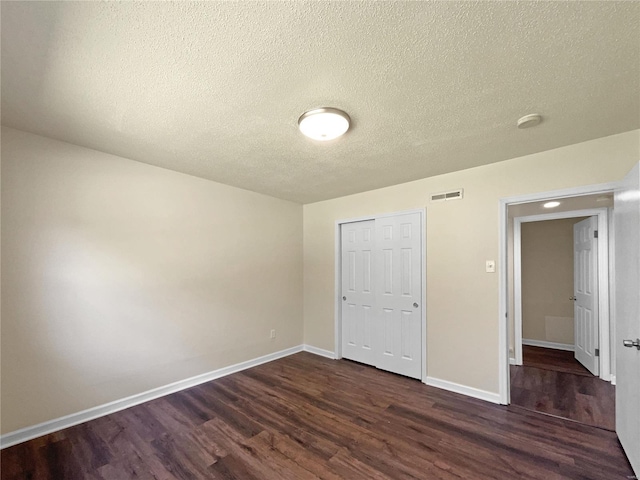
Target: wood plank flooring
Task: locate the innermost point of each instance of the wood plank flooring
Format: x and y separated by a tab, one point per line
555	389
307	417
551	359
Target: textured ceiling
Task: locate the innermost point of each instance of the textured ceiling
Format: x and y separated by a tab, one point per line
215	89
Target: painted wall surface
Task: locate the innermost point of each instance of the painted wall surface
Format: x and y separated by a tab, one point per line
119	277
462	300
547	280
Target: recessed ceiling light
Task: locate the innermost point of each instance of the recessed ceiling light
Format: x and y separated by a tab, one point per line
530	120
551	204
324	123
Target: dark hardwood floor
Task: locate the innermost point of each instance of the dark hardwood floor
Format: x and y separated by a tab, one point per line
562	389
551	359
307	417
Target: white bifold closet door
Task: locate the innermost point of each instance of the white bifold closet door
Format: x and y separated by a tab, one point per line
382	293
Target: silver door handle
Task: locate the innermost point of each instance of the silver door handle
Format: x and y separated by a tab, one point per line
415	305
344	298
632	343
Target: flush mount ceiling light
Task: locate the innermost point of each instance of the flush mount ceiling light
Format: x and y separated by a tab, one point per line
529	120
551	204
324	123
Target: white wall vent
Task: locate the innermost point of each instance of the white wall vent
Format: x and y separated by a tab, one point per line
446	196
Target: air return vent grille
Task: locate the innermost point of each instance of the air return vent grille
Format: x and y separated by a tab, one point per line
446	196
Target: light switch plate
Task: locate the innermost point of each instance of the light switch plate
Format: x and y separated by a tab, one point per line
491	266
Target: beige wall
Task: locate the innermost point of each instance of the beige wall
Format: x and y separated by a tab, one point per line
118	277
462	300
547	280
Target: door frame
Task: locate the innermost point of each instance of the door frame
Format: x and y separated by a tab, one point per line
503	293
338	280
604	341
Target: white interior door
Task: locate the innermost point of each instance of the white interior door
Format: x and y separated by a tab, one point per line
358	299
399	298
627	257
585	287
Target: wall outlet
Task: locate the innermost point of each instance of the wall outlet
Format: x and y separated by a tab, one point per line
273	334
490	266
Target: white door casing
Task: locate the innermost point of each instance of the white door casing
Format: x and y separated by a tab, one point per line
399	298
585	291
627	307
358	299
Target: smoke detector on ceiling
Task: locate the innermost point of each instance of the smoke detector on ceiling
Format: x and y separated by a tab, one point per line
530	120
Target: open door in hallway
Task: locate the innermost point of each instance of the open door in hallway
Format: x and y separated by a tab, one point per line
585	293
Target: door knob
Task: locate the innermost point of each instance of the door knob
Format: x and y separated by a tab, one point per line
415	305
632	343
344	298
572	298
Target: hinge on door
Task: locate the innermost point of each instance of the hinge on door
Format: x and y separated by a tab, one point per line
597	352
595	234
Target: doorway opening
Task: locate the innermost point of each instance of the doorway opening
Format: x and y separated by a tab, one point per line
558	368
563	293
555	290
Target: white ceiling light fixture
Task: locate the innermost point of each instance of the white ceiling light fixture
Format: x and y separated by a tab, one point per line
530	120
324	123
551	204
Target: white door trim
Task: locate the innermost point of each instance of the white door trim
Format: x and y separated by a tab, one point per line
338	281
603	280
503	297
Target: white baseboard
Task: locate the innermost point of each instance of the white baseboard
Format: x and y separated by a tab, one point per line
67	421
319	351
512	361
612	379
541	343
464	390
